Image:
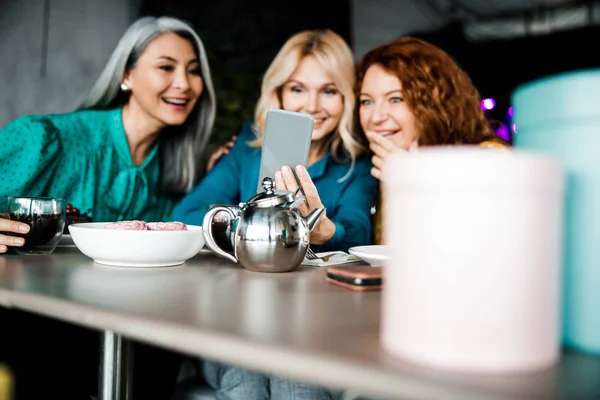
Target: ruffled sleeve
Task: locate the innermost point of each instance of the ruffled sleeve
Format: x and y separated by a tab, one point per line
30	152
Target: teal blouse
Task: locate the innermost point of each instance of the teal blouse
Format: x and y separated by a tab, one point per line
84	158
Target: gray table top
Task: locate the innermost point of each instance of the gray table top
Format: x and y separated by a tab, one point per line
292	324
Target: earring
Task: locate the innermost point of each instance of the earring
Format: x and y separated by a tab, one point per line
124	87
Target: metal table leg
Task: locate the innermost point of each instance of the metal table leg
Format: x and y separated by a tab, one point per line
116	366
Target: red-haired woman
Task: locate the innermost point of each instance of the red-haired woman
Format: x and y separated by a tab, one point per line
410	94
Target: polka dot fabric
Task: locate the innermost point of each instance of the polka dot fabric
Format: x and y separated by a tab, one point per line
84	158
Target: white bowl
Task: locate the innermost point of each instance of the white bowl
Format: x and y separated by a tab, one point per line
136	248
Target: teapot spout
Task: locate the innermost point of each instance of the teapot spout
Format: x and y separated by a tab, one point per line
313	218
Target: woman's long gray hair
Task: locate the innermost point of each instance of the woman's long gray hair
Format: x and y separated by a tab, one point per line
182	149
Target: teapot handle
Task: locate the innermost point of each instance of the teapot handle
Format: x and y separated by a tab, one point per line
208	235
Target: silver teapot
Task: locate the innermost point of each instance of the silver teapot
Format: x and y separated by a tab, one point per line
265	234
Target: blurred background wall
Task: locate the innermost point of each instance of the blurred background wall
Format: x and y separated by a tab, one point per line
51	51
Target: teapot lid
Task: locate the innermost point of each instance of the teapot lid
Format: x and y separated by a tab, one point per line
270	197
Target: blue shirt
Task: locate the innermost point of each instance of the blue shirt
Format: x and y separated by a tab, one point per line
235	177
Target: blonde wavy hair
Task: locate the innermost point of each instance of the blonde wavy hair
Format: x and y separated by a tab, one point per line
332	52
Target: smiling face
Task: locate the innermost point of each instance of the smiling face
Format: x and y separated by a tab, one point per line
382	109
166	81
310	90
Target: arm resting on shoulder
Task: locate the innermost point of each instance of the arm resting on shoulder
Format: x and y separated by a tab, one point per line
220	186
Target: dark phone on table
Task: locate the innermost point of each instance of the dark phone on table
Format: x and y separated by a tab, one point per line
356	278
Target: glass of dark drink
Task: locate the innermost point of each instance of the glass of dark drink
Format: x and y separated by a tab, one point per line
46	217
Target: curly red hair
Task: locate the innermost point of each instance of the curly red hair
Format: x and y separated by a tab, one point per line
440	94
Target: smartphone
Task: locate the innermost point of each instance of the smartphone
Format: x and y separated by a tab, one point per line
287	141
357	277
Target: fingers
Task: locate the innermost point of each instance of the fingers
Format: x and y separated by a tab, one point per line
379	151
12	240
212	160
313	200
11	226
289	179
231	142
285	180
292	185
227	146
382	148
307	184
376	172
382	142
6	241
377	162
7	225
220	152
325	228
279	182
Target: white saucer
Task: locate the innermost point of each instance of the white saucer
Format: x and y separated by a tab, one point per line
374	255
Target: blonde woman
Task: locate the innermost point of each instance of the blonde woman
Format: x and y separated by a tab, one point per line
313	73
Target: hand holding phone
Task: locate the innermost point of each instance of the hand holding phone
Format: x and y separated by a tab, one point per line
287	140
286	180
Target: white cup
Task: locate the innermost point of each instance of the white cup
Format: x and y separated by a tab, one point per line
472	283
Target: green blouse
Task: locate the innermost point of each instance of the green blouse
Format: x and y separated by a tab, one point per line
84	158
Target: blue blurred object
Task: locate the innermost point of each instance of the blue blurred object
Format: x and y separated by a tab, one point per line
560	116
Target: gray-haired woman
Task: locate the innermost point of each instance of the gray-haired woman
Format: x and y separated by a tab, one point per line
131	151
135	146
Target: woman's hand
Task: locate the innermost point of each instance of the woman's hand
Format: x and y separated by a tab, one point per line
285	180
11	226
382	147
220	152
